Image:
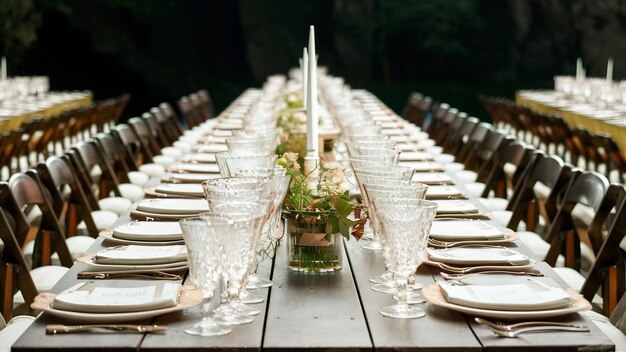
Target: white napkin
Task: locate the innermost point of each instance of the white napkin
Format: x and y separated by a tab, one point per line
455	206
422	166
89	299
211	148
460	230
142	255
193	178
443	192
520	297
488	255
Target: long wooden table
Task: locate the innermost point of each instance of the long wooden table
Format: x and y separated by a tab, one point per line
331	311
326	312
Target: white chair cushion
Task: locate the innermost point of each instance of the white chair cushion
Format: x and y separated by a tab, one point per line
434	150
454	167
164	160
44	277
185	148
132	192
153	170
13	331
474	189
495	203
542	191
77	245
102	218
172	152
138	178
117	205
583	213
575	280
538	246
603	323
466	176
502	217
444	158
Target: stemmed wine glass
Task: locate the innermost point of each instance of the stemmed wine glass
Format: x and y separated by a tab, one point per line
204	248
405	224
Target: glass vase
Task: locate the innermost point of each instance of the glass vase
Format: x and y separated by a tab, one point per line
310	248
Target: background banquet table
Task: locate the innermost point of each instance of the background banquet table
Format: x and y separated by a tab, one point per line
609	121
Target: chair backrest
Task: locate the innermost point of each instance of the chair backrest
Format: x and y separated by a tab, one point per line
132	143
145	136
437	121
587	188
451	136
14	273
27	191
609	266
57	173
168	120
208	109
159	136
474	140
444	125
512	153
85	156
549	171
116	156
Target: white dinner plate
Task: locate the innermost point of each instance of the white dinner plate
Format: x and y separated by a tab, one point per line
182	189
142	255
179	206
460	230
89	260
189	297
210	148
149	231
189	178
478	255
434	295
432	178
204	158
108	236
196	168
416	156
422	166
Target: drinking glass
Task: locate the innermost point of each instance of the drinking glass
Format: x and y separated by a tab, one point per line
204	251
248	219
405	224
230	163
246	145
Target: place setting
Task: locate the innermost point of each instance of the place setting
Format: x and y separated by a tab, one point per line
445	233
168	209
136	258
145	233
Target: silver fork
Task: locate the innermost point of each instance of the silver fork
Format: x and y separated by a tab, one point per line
513	330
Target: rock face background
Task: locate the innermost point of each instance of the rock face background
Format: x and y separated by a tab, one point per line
451	49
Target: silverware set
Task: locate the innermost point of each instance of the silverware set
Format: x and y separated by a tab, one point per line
54	329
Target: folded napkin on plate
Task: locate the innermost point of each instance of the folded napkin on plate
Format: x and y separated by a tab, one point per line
415	156
196	167
432	178
149	231
90	299
199	158
173	206
211	148
422	166
443	192
464	230
189	178
487	255
142	255
520	297
452	206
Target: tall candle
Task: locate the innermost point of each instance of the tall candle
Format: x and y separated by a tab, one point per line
579	68
311	101
3	69
609	70
305	73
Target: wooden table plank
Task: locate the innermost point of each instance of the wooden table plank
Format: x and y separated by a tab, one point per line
318	311
243	337
440	330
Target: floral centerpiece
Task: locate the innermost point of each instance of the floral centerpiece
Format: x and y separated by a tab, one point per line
317	217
